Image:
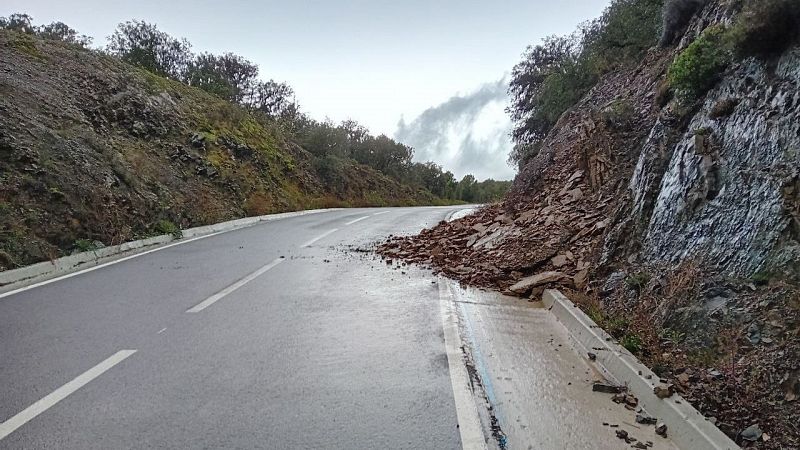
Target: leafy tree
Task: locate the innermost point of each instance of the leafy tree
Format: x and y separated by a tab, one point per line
323	139
356	133
239	73
272	98
551	77
203	72
554	75
626	29
22	23
62	32
144	45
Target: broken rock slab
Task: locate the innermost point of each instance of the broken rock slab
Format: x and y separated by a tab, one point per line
539	279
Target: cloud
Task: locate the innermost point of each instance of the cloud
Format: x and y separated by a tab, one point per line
468	133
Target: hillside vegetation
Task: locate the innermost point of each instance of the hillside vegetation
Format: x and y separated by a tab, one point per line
101	146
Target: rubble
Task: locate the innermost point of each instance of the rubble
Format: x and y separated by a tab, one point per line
664	390
582	212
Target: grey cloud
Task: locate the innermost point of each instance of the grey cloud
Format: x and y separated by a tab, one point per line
446	134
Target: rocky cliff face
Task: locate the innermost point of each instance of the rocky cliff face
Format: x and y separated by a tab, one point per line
728	190
677	228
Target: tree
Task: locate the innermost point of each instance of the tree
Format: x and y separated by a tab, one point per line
554	75
144	45
203	72
272	98
62	32
22	23
539	92
240	73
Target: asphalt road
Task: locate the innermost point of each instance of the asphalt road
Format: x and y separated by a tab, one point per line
287	334
321	350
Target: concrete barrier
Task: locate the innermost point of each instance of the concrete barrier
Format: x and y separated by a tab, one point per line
18	278
685	425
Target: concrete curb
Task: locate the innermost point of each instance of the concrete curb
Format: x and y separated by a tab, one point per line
685	425
43	271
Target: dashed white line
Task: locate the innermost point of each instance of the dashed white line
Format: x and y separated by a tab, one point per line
162	330
469	422
323	235
10	425
357	220
216	297
382	212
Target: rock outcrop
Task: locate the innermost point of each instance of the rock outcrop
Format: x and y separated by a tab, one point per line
677	228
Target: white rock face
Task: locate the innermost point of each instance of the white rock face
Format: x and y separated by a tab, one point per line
728	196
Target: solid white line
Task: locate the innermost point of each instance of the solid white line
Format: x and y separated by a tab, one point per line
216	297
382	212
469	423
61	393
325	234
100	266
357	220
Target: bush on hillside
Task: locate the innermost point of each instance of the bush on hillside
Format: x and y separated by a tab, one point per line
59	31
766	27
273	99
625	30
697	68
21	23
62	32
142	44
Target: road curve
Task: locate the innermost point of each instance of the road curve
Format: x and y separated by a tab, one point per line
286	334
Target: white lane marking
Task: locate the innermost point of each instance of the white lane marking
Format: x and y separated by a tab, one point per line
162	330
382	212
357	220
469	423
100	266
323	235
216	297
61	393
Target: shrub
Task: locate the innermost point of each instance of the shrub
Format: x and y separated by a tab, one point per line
26	44
637	281
144	45
632	342
21	23
84	245
62	32
766	27
330	170
228	76
617	115
257	204
626	29
697	68
168	227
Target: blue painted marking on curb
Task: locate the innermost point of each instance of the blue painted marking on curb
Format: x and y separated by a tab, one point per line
480	366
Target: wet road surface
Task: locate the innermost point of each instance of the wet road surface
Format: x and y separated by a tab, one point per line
287	334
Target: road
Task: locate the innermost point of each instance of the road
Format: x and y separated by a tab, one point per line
288	334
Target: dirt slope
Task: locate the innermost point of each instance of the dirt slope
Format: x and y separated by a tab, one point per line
96	152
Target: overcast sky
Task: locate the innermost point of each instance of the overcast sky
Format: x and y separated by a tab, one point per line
440	66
